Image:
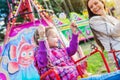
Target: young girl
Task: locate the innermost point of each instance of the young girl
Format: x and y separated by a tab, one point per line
106	28
47	57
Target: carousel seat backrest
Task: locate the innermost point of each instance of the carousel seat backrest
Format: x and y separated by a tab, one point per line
18	53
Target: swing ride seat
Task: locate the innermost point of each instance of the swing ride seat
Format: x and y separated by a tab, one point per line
96	50
46	20
49	72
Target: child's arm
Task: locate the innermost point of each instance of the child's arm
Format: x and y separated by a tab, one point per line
74	41
41	52
73	45
41	55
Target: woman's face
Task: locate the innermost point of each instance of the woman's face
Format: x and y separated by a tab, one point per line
52	38
97	7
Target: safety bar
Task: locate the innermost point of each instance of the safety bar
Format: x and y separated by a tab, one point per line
116	61
102	55
49	72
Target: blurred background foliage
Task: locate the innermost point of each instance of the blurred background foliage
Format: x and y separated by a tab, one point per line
57	6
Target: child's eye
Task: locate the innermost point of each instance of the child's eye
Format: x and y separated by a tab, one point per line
91	7
54	36
23	54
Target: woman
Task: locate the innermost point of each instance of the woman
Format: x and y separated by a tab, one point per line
106	29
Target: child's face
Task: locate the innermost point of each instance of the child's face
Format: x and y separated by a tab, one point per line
52	38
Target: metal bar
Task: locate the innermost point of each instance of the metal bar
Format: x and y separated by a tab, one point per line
116	61
48	73
105	61
94	52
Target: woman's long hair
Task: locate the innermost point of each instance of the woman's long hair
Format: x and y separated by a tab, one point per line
97	40
91	14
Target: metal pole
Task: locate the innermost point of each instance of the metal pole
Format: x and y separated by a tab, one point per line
94	52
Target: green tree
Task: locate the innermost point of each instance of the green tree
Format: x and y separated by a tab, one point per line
52	4
4	10
66	5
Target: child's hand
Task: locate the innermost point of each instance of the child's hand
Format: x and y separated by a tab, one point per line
74	27
41	32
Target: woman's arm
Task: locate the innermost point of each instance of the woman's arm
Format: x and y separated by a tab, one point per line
116	30
105	27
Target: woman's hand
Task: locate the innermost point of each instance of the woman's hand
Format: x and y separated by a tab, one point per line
73	27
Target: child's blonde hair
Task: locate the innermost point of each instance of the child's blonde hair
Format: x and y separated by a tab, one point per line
36	34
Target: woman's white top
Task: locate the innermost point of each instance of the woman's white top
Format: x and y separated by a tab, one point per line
107	30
